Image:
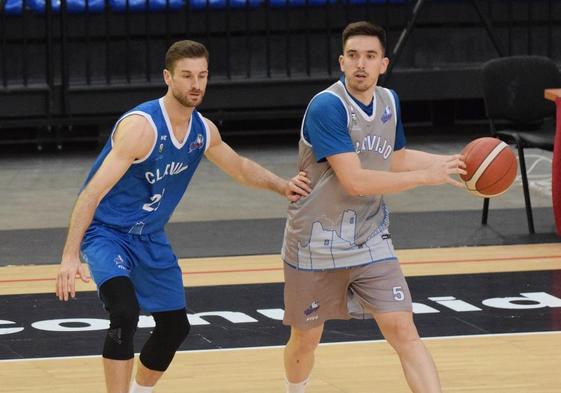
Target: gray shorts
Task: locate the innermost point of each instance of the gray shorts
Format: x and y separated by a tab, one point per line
313	297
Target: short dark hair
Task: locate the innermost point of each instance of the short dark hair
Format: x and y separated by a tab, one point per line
364	28
185	49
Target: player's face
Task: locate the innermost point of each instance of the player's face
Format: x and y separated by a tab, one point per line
188	81
362	63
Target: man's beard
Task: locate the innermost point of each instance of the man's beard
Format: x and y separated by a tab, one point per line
185	101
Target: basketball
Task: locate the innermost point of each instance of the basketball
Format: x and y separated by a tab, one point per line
490	165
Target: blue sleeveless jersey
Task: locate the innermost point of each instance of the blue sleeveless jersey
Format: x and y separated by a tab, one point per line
143	200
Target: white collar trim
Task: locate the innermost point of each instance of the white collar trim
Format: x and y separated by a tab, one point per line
174	140
357	107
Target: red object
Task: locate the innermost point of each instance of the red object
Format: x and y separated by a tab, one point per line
491	167
555	95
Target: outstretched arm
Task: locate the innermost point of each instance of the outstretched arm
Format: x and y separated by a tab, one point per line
132	140
358	181
249	173
410	160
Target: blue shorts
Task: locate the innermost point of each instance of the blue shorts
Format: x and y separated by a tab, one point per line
147	260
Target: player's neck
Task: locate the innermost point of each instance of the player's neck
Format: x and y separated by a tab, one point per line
178	113
365	97
179	117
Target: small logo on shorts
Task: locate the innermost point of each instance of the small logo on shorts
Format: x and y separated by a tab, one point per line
120	262
312	308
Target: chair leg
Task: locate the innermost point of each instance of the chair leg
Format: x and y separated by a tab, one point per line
485	213
526	189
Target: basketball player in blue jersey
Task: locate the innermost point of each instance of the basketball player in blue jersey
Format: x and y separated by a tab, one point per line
339	258
117	225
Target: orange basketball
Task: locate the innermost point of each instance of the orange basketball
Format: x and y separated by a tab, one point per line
490	165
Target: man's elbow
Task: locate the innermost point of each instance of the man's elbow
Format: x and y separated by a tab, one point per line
353	188
89	196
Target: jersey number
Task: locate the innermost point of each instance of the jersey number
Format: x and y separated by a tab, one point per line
155	202
398	294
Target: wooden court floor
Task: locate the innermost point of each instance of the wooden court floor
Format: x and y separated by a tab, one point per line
513	363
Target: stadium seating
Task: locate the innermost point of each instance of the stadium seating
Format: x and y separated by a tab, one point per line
13	7
100	57
16	7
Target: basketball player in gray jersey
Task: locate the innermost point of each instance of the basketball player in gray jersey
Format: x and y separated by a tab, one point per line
339	258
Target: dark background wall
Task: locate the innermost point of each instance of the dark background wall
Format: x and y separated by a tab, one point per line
63	72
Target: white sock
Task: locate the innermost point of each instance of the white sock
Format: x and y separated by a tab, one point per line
136	388
299	387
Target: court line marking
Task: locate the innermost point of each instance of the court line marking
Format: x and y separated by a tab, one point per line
272	269
321	344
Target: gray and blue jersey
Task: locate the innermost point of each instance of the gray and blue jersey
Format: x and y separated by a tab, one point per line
143	200
330	229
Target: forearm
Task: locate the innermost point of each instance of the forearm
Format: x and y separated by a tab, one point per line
80	219
370	182
254	175
414	160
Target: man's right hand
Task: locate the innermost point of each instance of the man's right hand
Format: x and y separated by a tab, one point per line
441	171
66	277
133	139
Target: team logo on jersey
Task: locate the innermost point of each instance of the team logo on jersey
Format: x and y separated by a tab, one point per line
137	228
387	115
354	120
161	149
199	143
312	309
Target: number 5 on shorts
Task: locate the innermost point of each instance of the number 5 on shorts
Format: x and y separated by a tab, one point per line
398	293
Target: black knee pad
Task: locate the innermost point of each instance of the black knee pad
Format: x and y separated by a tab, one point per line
120	300
172	327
